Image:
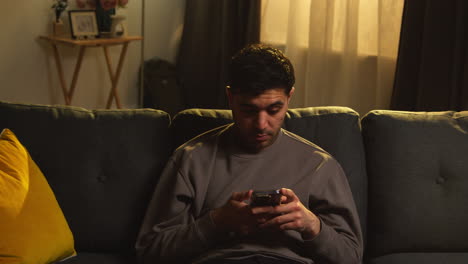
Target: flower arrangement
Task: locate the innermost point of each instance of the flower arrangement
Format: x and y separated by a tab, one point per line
59	6
105	11
105	4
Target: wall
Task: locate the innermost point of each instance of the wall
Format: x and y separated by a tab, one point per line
164	21
28	72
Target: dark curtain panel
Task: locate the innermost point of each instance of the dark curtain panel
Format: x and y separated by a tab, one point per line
432	69
214	30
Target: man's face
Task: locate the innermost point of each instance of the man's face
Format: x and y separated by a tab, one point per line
258	119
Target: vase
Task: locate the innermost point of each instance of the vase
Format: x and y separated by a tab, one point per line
103	17
118	28
58	28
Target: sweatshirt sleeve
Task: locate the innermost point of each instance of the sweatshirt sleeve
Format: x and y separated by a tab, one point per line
340	237
170	232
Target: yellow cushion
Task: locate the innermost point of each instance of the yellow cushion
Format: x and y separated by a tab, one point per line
32	226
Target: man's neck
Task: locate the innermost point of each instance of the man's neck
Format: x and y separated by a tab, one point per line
245	146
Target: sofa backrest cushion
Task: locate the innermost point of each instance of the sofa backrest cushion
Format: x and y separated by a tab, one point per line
417	167
335	129
102	166
192	122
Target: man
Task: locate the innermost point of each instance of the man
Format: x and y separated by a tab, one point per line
200	211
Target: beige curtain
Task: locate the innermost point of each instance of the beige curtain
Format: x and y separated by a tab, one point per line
344	51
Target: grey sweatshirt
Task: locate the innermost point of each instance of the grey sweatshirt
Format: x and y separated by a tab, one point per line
201	176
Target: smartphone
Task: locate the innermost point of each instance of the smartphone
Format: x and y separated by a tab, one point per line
265	198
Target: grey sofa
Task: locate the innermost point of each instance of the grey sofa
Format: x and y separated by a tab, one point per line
408	172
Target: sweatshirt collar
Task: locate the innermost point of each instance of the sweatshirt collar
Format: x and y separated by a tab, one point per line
235	150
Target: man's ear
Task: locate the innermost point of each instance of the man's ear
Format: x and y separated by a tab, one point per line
290	94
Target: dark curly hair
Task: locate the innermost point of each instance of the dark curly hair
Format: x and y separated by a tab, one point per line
257	68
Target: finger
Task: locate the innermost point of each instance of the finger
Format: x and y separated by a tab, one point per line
295	225
263	210
281	220
276	210
240	205
290	195
287	208
262	218
249	195
241	196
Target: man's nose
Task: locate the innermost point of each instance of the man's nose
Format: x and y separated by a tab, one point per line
261	121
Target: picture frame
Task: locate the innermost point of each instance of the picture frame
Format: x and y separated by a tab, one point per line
83	24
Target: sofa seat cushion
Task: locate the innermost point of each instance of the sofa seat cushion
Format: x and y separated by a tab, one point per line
426	258
100	258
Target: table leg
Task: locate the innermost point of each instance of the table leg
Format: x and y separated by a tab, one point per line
76	72
58	63
68	94
115	77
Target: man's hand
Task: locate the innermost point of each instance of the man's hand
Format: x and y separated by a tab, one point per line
291	214
235	215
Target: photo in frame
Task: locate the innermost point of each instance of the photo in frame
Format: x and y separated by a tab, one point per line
83	24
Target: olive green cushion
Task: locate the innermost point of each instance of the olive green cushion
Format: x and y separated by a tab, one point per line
102	166
418	181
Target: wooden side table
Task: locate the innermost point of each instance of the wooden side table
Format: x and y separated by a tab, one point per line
83	44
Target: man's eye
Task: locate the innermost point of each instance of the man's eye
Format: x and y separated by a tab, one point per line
273	111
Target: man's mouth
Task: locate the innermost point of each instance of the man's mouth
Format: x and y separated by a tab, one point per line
261	137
